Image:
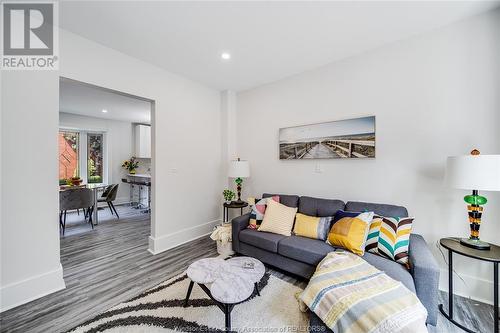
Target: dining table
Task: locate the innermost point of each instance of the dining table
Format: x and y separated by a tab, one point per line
95	189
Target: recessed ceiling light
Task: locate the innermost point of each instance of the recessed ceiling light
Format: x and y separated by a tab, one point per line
104	111
225	56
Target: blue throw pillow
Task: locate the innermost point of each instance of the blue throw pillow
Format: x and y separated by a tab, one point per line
341	214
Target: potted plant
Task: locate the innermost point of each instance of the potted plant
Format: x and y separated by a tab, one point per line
228	195
131	165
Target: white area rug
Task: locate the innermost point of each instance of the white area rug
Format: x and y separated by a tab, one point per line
161	310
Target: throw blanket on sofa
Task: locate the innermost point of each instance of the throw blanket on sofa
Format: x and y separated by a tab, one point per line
350	296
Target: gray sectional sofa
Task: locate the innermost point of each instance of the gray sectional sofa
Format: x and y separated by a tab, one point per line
300	255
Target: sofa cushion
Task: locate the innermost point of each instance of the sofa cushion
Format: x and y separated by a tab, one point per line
312	226
390	237
350	232
263	240
258	207
342	213
285	199
319	207
307	250
378	209
278	219
393	269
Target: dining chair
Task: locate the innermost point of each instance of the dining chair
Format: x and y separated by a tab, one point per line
107	190
110	197
103	195
75	199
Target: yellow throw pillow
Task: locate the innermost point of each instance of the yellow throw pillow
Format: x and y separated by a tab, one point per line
350	232
278	218
312	226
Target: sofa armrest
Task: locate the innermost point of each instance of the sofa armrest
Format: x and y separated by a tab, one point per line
425	272
237	224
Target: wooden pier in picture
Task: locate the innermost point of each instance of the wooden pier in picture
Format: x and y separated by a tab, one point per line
350	138
329	148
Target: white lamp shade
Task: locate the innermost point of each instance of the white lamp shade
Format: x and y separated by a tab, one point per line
239	169
474	172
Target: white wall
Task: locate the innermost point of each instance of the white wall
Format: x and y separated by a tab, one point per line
186	137
186	130
30	266
119	146
434	95
229	145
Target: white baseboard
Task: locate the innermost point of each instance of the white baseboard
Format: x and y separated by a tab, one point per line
24	291
166	242
471	287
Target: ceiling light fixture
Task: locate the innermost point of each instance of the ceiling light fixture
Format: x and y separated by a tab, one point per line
225	56
104	111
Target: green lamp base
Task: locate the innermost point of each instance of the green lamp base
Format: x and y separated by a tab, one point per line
475	244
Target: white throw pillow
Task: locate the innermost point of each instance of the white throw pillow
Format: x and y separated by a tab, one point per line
278	218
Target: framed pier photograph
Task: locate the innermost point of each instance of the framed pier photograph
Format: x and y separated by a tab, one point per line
350	138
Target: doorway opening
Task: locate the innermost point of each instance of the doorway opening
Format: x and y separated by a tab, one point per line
106	163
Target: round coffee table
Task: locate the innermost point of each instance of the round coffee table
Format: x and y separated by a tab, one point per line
226	282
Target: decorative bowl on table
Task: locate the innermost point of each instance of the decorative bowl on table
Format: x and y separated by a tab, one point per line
76	181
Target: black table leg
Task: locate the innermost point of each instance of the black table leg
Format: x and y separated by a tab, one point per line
241	211
227	312
495	296
450	284
449	315
190	288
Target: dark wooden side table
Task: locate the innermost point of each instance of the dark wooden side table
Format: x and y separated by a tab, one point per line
232	204
493	255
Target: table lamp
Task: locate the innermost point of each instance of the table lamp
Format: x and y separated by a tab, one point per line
238	170
474	172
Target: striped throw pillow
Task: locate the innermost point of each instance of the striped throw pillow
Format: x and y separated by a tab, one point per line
278	218
258	207
373	233
390	237
312	226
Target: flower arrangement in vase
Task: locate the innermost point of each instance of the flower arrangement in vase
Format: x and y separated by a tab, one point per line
131	165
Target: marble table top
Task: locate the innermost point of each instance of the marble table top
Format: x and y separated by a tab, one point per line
206	270
229	282
254	275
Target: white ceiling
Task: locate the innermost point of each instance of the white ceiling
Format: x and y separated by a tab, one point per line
267	40
86	100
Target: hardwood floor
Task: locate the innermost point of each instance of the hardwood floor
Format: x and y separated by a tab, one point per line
102	268
111	264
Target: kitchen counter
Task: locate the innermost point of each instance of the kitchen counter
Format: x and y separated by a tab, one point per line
140	184
140	175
